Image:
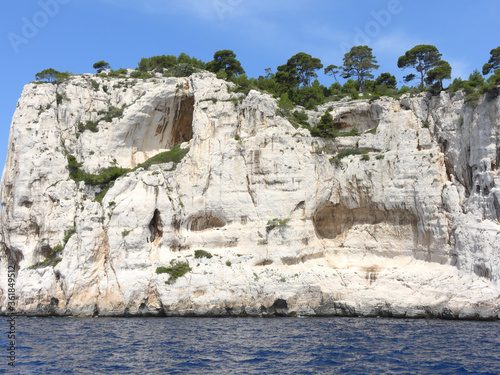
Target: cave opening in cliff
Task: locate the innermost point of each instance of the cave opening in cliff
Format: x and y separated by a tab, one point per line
45	251
362	118
203	222
166	122
181	127
384	231
156	228
173	119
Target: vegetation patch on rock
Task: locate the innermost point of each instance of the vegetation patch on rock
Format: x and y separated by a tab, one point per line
107	176
52	260
276	223
175	270
202	254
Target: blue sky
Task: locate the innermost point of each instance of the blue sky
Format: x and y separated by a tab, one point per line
70	35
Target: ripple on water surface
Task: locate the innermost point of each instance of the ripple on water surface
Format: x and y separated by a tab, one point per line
254	346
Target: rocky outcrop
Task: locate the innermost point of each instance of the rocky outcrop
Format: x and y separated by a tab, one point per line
406	226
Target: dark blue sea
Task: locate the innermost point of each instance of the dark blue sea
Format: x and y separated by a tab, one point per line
252	346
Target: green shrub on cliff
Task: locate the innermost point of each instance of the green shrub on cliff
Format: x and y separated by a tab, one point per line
276	223
89	125
118	73
176	270
52	260
326	128
106	177
174	155
202	254
358	151
336	160
181	70
112	113
68	234
141	75
103	178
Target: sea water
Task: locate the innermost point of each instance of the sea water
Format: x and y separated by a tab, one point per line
251	346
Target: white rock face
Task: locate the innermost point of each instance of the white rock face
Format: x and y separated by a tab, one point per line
410	228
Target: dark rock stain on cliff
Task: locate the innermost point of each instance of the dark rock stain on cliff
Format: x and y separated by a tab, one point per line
156	228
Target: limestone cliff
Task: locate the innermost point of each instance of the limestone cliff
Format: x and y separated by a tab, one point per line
408	227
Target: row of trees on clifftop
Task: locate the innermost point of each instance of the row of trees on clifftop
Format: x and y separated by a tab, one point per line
296	82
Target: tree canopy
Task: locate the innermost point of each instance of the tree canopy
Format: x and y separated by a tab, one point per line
305	67
100	66
332	70
163	62
225	61
47	75
422	58
387	80
440	72
494	62
359	62
156	63
184	58
476	79
325	126
300	69
287	78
